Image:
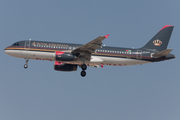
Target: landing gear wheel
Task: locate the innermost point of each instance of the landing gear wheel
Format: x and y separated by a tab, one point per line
25	66
83	73
84	67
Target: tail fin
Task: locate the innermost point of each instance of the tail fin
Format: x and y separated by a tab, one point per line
160	41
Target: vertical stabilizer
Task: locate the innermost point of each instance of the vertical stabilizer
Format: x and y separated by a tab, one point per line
160	41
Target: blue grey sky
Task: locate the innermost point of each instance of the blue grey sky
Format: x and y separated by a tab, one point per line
140	92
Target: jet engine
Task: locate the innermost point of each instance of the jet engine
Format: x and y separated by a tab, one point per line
64	56
59	66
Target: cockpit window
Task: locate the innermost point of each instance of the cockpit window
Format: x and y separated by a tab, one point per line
15	44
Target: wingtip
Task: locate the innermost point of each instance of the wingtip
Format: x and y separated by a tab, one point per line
106	36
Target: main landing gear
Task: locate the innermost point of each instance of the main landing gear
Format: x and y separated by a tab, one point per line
83	72
26	65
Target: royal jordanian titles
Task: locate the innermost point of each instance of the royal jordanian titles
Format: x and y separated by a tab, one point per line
67	57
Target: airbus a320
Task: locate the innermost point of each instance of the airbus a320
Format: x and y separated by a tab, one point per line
67	56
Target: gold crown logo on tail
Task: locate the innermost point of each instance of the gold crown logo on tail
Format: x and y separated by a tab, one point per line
157	42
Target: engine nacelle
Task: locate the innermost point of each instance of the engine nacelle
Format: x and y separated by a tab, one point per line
63	56
59	66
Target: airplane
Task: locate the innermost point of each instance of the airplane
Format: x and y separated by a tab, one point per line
68	56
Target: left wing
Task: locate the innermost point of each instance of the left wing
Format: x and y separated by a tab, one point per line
89	48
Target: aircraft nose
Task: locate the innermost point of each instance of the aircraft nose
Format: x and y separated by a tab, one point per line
6	51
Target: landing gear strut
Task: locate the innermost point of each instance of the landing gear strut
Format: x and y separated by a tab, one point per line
26	65
83	72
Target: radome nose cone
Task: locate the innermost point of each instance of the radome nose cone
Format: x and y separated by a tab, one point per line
6	51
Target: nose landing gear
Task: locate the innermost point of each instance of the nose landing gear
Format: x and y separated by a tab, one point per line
26	65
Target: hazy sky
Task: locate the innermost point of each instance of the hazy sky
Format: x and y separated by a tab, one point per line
140	92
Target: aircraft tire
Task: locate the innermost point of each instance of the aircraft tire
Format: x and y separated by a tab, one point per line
25	66
83	73
84	67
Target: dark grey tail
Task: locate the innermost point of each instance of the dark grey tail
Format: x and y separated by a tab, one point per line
160	41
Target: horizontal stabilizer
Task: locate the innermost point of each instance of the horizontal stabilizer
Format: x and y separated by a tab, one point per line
160	41
162	53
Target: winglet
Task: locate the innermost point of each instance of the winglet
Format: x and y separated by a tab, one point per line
106	36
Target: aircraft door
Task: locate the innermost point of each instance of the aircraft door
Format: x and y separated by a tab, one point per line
139	54
27	45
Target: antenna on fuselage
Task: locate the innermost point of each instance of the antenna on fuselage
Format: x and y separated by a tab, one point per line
30	39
